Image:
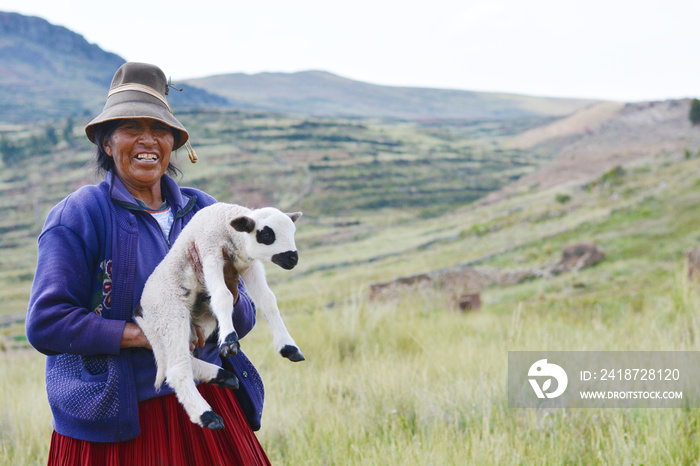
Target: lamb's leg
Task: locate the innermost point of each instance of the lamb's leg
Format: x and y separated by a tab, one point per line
179	372
210	373
221	303
179	376
265	300
159	350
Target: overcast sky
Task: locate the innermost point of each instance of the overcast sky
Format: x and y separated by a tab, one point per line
627	50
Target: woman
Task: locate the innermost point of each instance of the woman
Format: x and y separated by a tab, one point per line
97	248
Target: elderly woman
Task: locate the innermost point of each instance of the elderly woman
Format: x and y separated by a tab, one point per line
97	248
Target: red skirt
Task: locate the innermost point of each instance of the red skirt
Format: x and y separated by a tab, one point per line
169	438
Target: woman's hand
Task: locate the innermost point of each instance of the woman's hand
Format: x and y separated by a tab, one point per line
198	341
133	337
231	276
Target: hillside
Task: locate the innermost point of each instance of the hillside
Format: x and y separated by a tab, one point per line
600	138
359	174
361	183
325	94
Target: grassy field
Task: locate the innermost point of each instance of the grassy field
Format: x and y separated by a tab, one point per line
409	382
412	381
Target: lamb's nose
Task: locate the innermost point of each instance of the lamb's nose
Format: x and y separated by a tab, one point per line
287	260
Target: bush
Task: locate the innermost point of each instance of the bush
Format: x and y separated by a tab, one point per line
694	111
10	151
562	198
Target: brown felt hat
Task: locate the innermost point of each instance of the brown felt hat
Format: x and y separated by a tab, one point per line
138	90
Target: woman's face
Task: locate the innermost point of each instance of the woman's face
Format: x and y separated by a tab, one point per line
141	150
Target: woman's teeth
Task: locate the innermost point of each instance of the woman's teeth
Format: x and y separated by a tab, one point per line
147	157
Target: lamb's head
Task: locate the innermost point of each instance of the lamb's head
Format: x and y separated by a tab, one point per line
271	236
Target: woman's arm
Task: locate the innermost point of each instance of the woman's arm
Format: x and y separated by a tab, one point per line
58	320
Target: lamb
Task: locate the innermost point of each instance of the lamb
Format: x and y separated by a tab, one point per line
174	299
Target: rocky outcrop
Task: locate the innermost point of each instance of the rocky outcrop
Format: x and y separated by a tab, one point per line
692	258
469	302
463	282
458	281
577	257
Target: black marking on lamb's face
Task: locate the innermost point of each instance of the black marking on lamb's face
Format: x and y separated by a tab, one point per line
244	224
287	260
266	236
138	312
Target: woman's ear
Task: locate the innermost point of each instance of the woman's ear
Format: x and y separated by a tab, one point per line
107	147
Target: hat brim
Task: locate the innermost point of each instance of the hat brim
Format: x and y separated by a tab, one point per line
134	104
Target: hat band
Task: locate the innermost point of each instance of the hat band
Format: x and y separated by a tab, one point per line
139	88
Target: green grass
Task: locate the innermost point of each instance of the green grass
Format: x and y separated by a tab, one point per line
25	418
411	382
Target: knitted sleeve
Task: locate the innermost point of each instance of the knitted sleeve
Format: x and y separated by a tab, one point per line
58	318
243	312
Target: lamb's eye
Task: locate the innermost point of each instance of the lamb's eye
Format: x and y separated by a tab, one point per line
266	236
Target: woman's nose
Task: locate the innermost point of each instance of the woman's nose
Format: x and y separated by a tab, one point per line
147	136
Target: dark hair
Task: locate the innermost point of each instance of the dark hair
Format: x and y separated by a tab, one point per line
105	163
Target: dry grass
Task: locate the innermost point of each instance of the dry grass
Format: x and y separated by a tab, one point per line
25	418
409	382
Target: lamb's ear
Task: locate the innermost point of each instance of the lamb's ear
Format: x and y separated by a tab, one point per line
294	216
244	224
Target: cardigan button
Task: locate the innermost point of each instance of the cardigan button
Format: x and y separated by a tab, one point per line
245	374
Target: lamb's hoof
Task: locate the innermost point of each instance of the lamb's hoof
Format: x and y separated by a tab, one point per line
225	379
211	420
230	345
292	353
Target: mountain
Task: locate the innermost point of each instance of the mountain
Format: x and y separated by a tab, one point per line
324	94
48	71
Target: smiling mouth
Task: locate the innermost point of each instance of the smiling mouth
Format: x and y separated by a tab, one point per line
147	157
